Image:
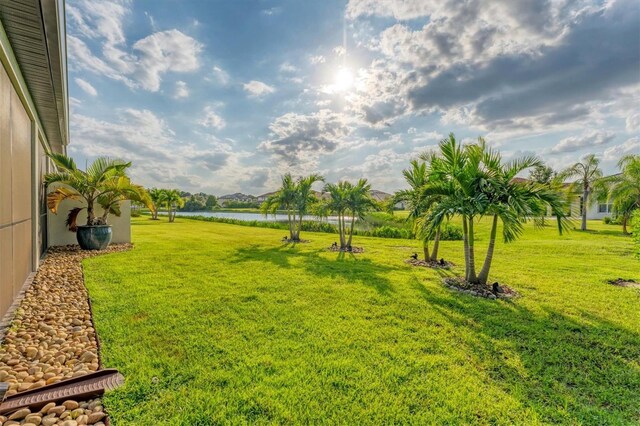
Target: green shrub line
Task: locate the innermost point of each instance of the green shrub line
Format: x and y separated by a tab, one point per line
449	232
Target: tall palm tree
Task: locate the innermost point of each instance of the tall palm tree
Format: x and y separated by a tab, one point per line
337	204
624	189
586	174
284	198
474	182
358	203
304	199
417	177
173	201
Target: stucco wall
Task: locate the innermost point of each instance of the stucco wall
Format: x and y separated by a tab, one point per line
59	234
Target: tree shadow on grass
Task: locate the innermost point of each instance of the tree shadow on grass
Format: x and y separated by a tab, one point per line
568	370
345	266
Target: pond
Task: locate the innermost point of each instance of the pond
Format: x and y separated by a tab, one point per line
279	217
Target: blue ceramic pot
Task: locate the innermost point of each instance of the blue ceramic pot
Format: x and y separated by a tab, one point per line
94	237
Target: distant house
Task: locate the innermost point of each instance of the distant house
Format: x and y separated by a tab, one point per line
596	211
382	196
238	197
262	198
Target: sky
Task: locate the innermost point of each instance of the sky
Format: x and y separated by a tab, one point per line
226	96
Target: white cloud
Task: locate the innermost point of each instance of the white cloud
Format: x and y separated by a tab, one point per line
590	139
220	75
86	87
616	152
633	122
142	65
299	139
182	90
288	67
257	88
317	59
212	120
163	52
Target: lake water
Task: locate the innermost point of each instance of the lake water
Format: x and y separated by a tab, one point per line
255	216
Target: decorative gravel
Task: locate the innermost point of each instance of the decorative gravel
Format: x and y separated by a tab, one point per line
52	338
487	291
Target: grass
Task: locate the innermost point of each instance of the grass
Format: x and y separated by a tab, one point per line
221	324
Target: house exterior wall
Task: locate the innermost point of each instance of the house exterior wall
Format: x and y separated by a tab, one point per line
593	211
17	255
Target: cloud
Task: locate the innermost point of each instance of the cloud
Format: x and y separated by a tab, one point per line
86	87
586	140
220	75
163	52
633	122
182	90
159	157
142	65
616	152
507	64
295	138
317	59
288	67
212	120
257	88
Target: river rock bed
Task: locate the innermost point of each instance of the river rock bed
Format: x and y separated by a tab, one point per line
441	264
51	338
487	291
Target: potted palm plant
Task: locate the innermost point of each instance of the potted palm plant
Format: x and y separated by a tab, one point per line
104	182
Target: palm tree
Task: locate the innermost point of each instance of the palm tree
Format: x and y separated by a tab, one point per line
173	200
417	177
89	185
345	199
294	196
121	189
624	189
337	204
474	182
157	196
586	173
358	203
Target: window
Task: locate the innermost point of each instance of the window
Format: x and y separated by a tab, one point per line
604	208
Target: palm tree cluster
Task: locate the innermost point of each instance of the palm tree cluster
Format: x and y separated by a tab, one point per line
296	197
347	201
470	182
171	199
104	182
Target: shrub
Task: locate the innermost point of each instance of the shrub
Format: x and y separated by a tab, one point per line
389	232
606	220
450	232
135	213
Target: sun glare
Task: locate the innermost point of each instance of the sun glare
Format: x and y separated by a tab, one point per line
343	80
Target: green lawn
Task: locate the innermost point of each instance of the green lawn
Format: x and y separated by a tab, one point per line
220	324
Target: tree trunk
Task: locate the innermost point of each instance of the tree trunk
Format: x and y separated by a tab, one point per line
436	244
90	215
425	249
484	273
341	229
472	257
299	227
625	219
465	240
585	196
290	224
353	222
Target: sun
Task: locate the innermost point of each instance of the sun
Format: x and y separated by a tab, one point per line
343	80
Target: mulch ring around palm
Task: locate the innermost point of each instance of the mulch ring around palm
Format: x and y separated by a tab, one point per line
434	264
337	248
492	291
621	282
290	241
